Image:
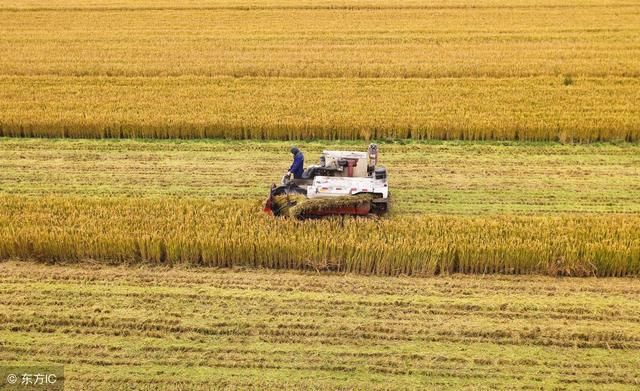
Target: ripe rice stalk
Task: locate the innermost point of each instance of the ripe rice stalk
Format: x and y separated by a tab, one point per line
226	233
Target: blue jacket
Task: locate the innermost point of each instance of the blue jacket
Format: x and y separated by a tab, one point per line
297	167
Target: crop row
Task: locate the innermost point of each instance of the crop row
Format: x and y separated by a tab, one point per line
593	109
235	233
246	5
498	40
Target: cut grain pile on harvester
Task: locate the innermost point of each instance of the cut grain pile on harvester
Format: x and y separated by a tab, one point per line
343	183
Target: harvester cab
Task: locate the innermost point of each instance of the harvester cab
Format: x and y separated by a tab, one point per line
343	183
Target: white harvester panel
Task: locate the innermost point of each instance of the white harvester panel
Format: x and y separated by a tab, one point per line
324	186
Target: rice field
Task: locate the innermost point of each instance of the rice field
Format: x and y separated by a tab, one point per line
138	140
199	203
538	70
118	328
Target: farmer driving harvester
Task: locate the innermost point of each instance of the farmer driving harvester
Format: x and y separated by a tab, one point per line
343	183
297	167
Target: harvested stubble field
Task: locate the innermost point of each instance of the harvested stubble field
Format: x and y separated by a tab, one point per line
154	328
471	208
280	69
437	177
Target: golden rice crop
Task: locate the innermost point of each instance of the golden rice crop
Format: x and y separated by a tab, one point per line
171	231
283	69
292	109
351	39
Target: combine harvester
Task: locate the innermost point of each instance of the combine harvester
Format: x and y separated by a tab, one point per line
344	183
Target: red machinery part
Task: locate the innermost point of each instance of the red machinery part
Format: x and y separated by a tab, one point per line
268	205
350	164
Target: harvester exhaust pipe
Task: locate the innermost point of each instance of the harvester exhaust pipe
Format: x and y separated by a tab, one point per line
373	157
